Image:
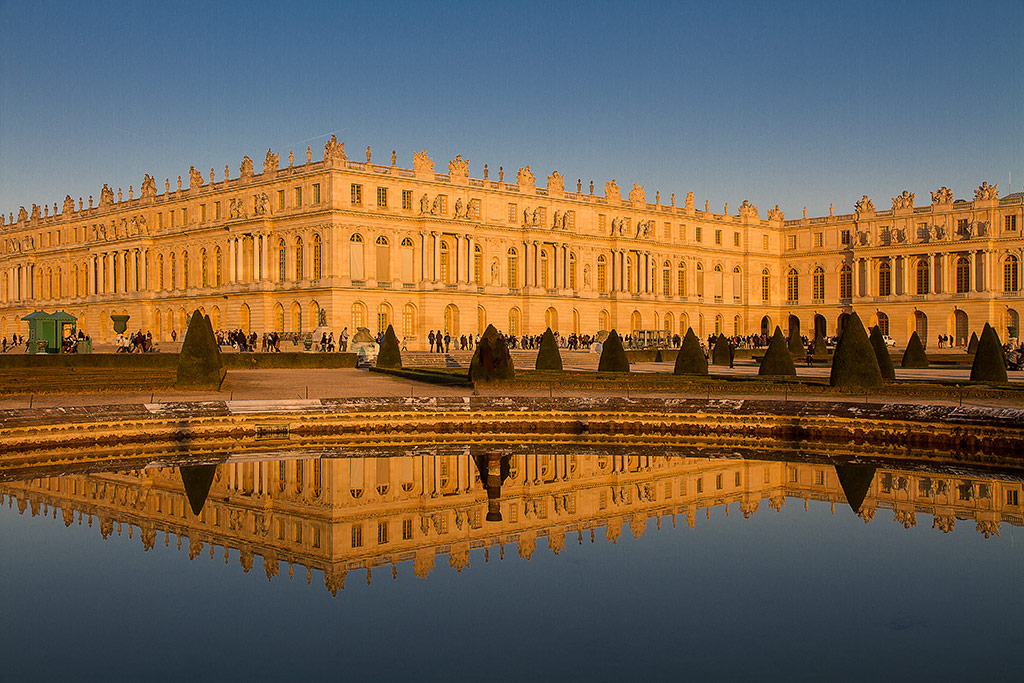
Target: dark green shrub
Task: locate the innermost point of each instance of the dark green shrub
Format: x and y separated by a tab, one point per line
854	363
882	354
721	354
389	355
972	346
796	344
657	357
548	356
777	359
199	363
820	346
914	356
613	356
690	360
989	362
491	360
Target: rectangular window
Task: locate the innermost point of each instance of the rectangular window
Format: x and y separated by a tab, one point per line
473	211
280	200
668	231
794	476
737	479
736	239
513	212
382	533
962	226
718	482
357	194
698	234
764	242
202	213
790	242
819	478
170	215
316	193
1010	222
316	537
767	476
718	236
601	222
700	485
819	239
298	196
357	535
406	200
443	204
382	197
406	529
543	216
682	232
844	238
216	211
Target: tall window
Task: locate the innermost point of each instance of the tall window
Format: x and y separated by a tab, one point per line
478	265
513	270
766	284
922	276
184	269
160	269
819	284
406	199
1010	270
572	271
681	279
445	257
358	315
382	197
884	278
217	269
318	257
700	280
357	194
602	274
883	323
792	286
963	275
282	255
203	273
298	259
409	321
383	318
544	268
514	317
845	282
666	279
173	268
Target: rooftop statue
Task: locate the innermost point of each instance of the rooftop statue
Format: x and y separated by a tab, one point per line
195	178
612	191
270	162
864	205
986	191
246	168
525	177
458	167
943	195
637	195
334	151
903	201
422	164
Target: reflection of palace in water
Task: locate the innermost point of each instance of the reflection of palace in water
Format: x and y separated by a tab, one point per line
337	515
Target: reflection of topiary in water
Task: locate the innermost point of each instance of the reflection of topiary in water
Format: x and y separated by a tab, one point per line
882	354
855	480
197	480
389	355
491	360
690	360
914	356
721	353
972	346
548	356
613	356
854	363
199	363
989	363
777	359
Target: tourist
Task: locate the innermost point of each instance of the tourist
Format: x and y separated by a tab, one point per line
430	338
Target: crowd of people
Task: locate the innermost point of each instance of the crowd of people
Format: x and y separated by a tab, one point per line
137	342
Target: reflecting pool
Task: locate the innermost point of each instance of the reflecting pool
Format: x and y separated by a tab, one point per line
511	566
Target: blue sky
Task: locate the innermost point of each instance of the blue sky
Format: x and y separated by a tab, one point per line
792	103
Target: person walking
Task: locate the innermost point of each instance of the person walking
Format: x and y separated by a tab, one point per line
430	338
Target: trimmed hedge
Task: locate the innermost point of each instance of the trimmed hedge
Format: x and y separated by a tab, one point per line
989	362
199	364
854	363
778	359
972	345
613	356
914	356
721	354
882	354
389	355
548	356
690	360
491	360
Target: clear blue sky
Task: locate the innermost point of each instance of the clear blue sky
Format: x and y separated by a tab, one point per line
790	103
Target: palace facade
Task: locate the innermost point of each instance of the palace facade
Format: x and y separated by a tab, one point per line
346	243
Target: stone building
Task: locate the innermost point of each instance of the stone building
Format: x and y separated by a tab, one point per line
361	244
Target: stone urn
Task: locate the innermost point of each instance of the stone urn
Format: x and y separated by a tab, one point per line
120	323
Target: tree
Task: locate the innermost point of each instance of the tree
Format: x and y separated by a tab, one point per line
690	360
854	363
389	355
491	360
914	356
613	356
199	363
721	354
777	359
548	356
882	354
989	362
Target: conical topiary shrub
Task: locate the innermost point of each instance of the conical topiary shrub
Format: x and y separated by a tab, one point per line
914	356
613	356
690	360
389	355
854	363
721	354
657	357
972	346
491	360
820	346
796	343
548	357
882	354
777	359
199	363
989	362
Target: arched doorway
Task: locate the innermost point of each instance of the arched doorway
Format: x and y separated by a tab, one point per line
451	320
1012	324
794	327
635	322
921	326
883	323
551	319
820	325
841	323
960	324
766	325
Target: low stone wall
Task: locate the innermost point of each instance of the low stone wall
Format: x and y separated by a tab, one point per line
232	361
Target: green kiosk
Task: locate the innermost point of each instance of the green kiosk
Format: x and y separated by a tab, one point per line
48	332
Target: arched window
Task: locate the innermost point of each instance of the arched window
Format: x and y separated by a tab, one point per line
700	280
282	255
173	268
884	278
666	279
737	326
737	283
963	275
572	271
1011	282
481	320
514	318
818	284
318	257
445	262
602	274
299	270
244	317
766	284
718	324
922	276
883	323
296	312
681	279
279	317
383	271
792	286
407	261
478	265
184	270
409	321
355	257
551	319
575	321
669	323
604	321
204	277
451	320
636	321
160	269
718	281
217	269
845	282
358	316
512	276
383	318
